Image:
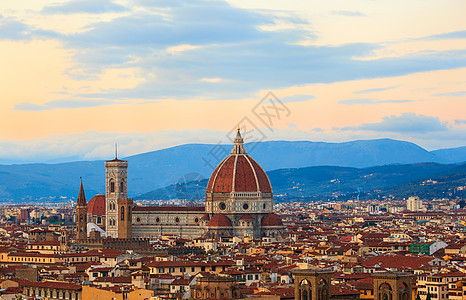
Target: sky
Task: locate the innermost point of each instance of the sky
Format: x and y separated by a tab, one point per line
77	77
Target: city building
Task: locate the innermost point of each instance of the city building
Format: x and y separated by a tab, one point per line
415	204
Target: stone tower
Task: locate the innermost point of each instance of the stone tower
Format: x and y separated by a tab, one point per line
115	190
64	241
392	286
81	215
125	215
312	284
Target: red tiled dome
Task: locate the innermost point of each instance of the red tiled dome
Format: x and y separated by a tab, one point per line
238	173
205	217
271	220
96	206
246	217
219	220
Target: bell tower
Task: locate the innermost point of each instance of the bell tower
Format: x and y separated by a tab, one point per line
115	190
81	215
125	212
312	284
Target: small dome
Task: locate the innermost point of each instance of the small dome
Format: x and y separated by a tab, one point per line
219	220
271	220
96	206
246	217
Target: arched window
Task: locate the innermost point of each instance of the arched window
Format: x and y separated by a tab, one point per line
122	213
99	220
122	187
112	186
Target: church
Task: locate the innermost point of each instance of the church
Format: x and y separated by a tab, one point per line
238	203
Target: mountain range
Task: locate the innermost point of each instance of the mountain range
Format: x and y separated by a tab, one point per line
184	163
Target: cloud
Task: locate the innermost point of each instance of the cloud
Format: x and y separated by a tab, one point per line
297	98
366	91
12	29
348	13
371	101
177	44
405	123
211	80
448	35
460	122
452	94
61	104
84	6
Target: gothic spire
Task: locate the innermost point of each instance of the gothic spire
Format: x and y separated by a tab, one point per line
81	197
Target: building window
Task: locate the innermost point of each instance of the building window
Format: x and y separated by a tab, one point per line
222	206
122	213
112	186
245	206
122	187
138	219
157	220
177	220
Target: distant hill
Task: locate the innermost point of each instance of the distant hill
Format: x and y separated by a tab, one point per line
452	155
157	169
329	182
441	185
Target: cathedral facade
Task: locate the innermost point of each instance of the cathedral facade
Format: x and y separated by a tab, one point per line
239	203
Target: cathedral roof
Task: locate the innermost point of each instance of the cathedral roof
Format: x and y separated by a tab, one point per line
96	206
238	172
219	220
271	220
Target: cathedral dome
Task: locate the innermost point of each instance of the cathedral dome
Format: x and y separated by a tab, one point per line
219	220
238	172
96	206
271	220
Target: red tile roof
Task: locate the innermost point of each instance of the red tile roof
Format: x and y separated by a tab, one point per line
169	208
219	220
96	206
271	220
238	173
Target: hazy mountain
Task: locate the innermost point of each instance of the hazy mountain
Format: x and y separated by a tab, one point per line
161	168
451	155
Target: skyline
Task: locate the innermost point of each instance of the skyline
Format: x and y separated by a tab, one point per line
79	76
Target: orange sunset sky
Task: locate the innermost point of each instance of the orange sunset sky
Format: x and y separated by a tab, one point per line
78	76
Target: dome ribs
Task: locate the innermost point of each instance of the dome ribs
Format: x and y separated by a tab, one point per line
264	183
224	177
245	181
